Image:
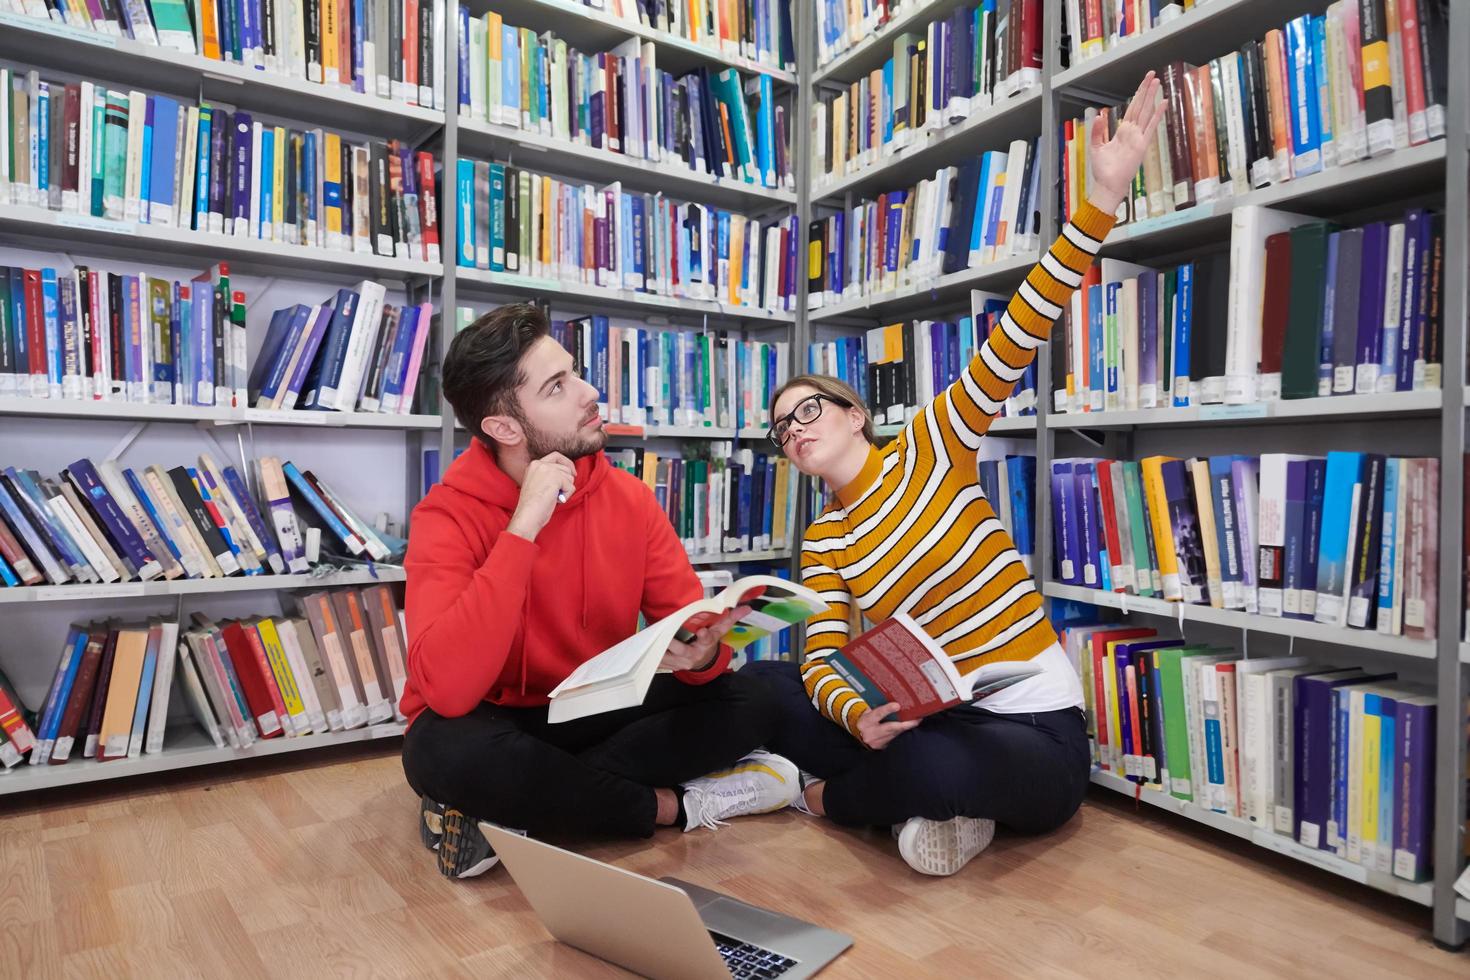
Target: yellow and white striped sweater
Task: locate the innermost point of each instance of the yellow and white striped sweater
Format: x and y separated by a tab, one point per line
913	531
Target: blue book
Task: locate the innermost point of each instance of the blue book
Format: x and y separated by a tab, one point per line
249	30
165	115
252	515
1227	540
640	261
1339	517
894	219
1371	288
1385	706
1088	530
267	201
1183	323
41	133
202	170
34	503
1096	346
145	694
1388	552
34	539
1312	545
7	576
1341	746
1306	133
270	351
49	722
1296	502
1021	480
322	509
510	72
361	72
201	310
1065	516
327	370
145	162
464	231
395	376
1112	342
145	497
51	316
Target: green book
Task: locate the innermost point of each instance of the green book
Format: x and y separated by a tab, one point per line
497	217
1301	352
1143	561
1170	661
175	30
529	245
115	155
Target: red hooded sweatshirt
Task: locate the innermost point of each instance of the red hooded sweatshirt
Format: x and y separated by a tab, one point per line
494	617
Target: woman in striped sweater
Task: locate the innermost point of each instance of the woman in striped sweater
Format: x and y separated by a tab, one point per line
910	530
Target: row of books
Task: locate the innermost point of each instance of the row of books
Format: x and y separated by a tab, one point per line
1091	27
899	367
1309	97
354	352
719	123
985	210
1010	486
336	664
80	148
392	49
108	523
844	24
1299	309
1350	540
650	377
1336	759
963	63
726	503
760	30
85	334
513	220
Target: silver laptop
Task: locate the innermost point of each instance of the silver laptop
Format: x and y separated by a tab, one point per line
665	928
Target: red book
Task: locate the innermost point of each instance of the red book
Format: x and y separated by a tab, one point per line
35	325
255	677
80	699
10	548
13	722
897	661
1413	70
99	696
428	207
1275	304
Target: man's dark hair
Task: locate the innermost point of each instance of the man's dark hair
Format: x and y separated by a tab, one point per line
483	366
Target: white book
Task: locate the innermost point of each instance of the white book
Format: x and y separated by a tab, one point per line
163	683
1234	124
1255	724
477	67
1011	200
314	719
197	700
1250	226
1119	336
133	175
985	205
1393	295
361	341
252	225
1271	534
61	507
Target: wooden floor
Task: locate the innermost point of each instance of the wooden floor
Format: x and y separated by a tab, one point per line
270	869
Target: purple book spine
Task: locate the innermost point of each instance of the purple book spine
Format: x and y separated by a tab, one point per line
252	516
1370	300
1312	749
1296	500
84	474
220	135
1087	537
1178	491
1413	819
1122	660
936	356
241	168
316	328
1243	475
1064	510
1148	350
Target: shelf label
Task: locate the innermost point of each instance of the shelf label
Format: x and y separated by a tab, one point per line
1184	217
66	219
1216	413
59	30
385	731
1310	855
124	590
278	417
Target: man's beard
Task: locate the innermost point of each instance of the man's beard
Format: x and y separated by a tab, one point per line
575	446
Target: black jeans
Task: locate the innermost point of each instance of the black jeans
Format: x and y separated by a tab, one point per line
594	775
1027	772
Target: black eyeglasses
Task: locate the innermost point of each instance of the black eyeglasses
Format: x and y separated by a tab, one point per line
807	411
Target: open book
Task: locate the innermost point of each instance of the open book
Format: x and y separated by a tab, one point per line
619	676
897	661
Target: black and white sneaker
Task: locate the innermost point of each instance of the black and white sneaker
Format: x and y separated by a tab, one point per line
463	850
431	822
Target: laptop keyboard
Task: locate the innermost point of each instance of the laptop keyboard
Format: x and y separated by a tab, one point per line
747	960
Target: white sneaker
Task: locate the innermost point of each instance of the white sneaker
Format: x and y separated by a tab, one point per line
759	783
942	847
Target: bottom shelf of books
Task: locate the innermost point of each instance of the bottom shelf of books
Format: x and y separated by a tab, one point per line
186	746
1420	892
127	697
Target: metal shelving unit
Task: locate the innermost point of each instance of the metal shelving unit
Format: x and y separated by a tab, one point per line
371	575
1436	171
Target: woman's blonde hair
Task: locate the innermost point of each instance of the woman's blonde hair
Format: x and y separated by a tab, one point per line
839	391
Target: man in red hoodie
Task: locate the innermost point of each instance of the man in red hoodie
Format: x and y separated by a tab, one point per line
532	556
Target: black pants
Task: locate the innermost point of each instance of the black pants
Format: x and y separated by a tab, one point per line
594	775
1027	772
